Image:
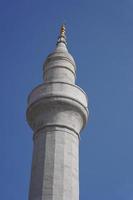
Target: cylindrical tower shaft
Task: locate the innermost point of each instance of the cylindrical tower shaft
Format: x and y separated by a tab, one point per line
57	112
55	165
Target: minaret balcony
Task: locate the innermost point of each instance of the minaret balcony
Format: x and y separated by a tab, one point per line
59	104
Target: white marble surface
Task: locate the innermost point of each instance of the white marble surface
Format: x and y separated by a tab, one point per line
57	112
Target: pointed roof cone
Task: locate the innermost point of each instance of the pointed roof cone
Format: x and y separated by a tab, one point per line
61	51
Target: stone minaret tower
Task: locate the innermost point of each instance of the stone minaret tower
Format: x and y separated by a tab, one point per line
57	112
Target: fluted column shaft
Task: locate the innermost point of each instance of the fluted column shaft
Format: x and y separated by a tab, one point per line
55	173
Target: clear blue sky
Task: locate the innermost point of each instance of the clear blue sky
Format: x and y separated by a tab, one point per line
100	37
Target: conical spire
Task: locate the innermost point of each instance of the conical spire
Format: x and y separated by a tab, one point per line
62	36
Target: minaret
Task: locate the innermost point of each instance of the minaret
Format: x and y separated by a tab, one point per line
57	112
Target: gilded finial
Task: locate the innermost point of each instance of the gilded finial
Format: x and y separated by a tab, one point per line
63	30
62	36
